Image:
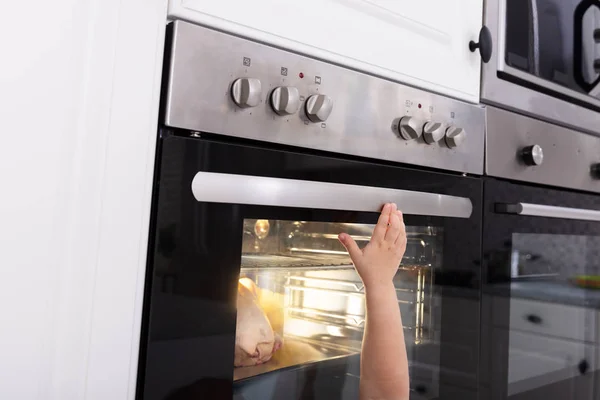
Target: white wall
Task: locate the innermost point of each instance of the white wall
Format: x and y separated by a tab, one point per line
79	87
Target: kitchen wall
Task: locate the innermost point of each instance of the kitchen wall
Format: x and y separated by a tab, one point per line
564	255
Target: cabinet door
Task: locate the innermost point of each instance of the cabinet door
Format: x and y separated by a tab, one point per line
537	361
422	43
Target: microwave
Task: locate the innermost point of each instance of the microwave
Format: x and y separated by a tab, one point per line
545	61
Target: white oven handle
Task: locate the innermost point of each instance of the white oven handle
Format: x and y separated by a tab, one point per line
242	189
539	210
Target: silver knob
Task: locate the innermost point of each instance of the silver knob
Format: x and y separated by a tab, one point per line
533	155
285	100
410	128
455	136
246	92
433	132
318	107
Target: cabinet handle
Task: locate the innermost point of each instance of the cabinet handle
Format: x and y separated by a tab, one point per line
534	319
583	366
484	45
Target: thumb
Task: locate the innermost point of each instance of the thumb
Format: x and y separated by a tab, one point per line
350	246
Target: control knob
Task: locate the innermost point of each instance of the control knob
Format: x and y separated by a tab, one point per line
433	132
246	92
285	100
410	128
455	136
318	107
533	155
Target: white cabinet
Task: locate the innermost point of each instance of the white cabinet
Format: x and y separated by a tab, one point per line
550	319
422	43
536	360
552	348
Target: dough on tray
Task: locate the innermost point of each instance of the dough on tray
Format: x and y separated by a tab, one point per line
255	340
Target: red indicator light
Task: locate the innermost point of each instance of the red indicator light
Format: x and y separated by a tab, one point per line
419	105
301	75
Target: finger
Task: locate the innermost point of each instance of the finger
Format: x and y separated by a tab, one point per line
402	235
394	229
350	245
382	224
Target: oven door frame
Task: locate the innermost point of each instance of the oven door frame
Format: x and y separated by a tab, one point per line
232	172
511	207
509	88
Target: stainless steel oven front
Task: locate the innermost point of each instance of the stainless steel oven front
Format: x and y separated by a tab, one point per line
249	197
546	60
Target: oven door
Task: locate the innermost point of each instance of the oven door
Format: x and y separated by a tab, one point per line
546	57
229	220
540	298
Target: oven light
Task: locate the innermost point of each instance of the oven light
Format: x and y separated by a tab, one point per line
261	228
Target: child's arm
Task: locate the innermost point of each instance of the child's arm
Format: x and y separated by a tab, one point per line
384	367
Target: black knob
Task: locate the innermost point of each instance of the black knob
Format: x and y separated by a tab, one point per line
421	389
595	171
484	45
533	155
597	35
583	366
534	319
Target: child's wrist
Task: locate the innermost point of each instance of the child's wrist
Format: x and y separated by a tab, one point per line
379	285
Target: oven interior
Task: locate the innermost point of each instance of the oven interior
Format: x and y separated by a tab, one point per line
306	286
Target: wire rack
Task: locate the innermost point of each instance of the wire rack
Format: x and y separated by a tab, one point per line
307	262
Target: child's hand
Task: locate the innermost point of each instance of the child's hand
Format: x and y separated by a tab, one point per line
378	262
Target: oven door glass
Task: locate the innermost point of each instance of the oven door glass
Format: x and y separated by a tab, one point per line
251	296
542	251
554	45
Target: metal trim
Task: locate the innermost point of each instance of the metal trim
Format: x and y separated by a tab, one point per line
216	187
540	210
555	87
515	97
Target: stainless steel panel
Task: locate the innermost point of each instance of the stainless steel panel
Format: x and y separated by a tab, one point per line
242	189
541	210
365	114
568	155
505	94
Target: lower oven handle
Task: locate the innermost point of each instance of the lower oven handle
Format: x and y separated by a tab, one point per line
540	210
256	190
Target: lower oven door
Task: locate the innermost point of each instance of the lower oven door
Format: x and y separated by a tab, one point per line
540	299
232	223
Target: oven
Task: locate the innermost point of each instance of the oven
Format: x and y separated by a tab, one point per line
541	224
250	195
546	60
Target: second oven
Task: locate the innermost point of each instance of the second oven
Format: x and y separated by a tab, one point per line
540	303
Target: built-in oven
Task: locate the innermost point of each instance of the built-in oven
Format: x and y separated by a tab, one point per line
540	302
545	60
249	294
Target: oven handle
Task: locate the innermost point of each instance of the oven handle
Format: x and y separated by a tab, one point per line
216	187
540	210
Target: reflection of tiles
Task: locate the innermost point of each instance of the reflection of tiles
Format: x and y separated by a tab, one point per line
565	255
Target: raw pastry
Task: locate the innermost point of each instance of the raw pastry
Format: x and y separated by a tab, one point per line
255	341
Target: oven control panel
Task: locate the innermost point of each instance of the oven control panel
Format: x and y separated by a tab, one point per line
231	86
526	149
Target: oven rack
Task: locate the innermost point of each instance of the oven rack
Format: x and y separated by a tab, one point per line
284	262
308	262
